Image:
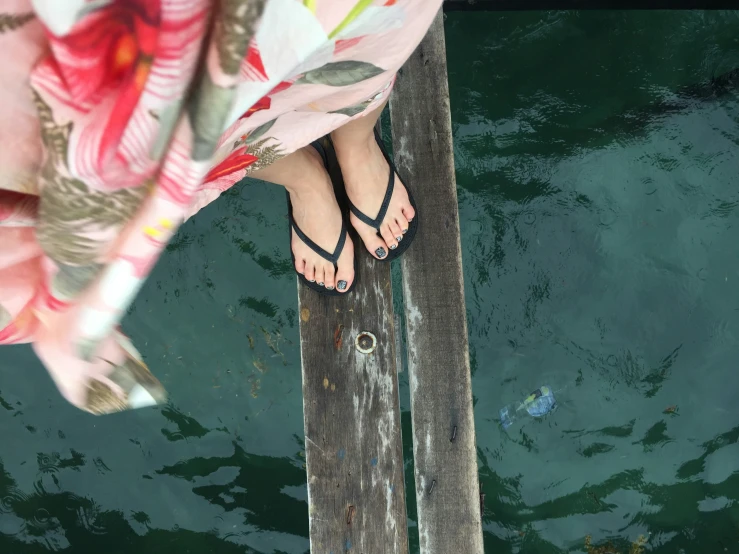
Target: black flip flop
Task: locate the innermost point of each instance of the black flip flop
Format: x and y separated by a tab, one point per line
333	258
408	237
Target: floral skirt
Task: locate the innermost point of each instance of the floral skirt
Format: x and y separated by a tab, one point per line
119	119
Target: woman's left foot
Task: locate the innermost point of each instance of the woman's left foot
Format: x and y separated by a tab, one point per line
365	173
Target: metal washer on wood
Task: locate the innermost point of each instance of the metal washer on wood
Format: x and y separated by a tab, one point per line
366	342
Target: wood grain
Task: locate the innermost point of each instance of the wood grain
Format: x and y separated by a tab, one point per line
447	485
353	445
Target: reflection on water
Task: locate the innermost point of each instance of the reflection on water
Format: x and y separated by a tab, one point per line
597	158
596	165
218	469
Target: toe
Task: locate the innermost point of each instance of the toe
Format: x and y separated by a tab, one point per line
395	229
345	273
373	243
402	223
310	272
300	266
389	237
328	276
319	275
409	212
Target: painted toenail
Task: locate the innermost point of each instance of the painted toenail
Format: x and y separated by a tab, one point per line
341	285
311	280
320	284
399	238
393	246
380	252
405	231
329	288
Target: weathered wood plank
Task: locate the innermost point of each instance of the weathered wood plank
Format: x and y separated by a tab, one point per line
447	488
353	445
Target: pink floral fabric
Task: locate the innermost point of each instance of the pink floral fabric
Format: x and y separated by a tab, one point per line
119	119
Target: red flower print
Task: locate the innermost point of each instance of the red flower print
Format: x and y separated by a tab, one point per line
235	161
8	333
343	44
284	85
105	47
21	329
45	300
252	68
262	104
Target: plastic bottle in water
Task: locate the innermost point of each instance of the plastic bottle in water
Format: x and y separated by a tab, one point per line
538	404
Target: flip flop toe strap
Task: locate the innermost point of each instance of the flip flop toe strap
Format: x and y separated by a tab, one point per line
333	258
377	221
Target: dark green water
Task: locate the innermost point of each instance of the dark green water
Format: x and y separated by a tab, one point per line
598	198
599	216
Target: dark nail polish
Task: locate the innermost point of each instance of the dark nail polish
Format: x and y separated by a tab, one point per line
341	285
311	280
405	231
320	284
399	238
380	252
393	246
329	288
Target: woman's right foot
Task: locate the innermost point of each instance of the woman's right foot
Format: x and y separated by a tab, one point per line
317	214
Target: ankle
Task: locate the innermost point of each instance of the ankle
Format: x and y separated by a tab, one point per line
354	148
308	175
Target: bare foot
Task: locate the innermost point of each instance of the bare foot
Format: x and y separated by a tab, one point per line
317	214
365	173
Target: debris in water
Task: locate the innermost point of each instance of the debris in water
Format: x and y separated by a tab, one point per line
671	410
255	385
538	404
637	547
260	365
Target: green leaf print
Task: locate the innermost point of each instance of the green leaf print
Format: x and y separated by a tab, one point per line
11	21
259	131
351	111
340	74
168	118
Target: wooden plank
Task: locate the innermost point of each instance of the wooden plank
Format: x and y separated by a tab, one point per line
447	488
356	491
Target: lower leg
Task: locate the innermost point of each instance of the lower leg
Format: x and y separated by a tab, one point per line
292	171
358	134
365	172
316	213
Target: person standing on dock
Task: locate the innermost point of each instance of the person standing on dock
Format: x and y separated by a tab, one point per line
120	119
